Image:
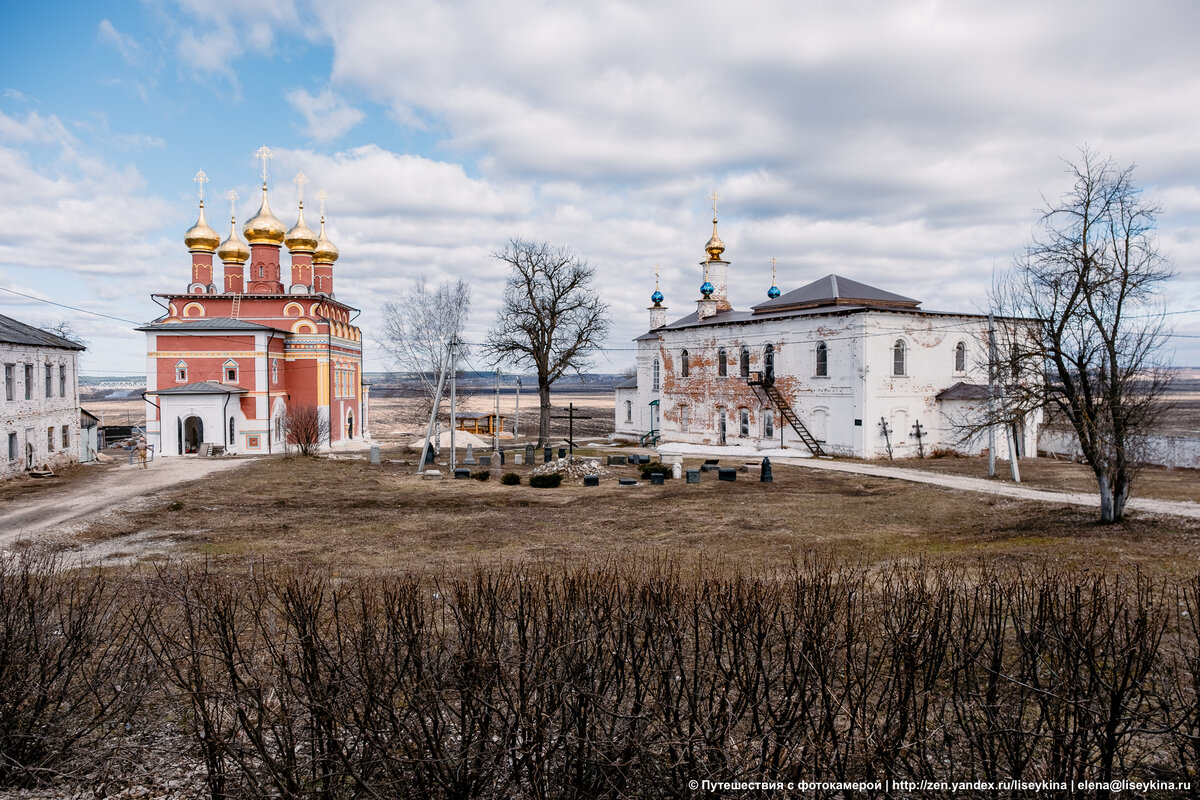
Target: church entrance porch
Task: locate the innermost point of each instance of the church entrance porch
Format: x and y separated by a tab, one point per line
193	435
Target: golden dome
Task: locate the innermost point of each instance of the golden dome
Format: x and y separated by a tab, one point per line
301	239
326	251
233	250
200	237
263	227
715	246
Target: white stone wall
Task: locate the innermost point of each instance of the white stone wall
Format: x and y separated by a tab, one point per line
1179	452
30	419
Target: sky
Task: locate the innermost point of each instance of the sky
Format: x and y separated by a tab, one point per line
905	145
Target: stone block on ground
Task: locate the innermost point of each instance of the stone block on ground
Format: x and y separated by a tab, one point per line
461	473
710	465
656	478
726	474
432	475
627	481
693	476
591	480
617	461
485	461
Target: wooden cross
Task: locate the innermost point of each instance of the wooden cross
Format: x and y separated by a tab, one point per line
571	417
264	154
300	180
200	180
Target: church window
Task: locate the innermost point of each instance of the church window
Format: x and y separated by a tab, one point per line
231	371
744	420
768	423
655	382
29	381
260	271
12	447
899	358
49	380
50	439
960	357
822	370
722	363
232	431
629	411
684	418
10	381
744	365
769	363
181	372
683	364
66	437
62	380
275	370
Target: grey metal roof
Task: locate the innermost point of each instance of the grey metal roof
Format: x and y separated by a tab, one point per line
208	324
964	391
836	290
630	383
13	332
203	387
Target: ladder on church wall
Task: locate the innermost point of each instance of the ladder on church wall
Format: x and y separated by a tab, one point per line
780	402
237	307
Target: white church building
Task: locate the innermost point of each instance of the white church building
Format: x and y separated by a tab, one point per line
835	367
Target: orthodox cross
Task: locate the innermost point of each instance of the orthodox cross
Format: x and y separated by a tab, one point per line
232	197
200	180
264	154
656	277
715	197
321	200
571	417
773	259
300	180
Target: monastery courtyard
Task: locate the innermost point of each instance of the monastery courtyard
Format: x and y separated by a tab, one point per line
354	518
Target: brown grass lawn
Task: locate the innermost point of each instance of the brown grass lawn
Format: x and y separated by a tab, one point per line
356	519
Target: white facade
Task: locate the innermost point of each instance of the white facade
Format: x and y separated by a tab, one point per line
39	399
846	361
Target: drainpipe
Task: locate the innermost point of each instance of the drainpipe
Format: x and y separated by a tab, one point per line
224	422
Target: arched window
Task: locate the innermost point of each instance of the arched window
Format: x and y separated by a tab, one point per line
722	363
655	382
744	420
683	364
768	422
629	411
822	370
181	371
899	358
960	357
232	431
744	364
275	370
769	363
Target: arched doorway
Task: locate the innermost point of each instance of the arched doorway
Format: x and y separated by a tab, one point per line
769	364
193	434
720	425
349	424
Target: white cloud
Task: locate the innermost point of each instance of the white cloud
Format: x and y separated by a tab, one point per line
125	45
327	116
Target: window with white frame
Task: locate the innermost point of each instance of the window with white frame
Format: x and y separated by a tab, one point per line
744	363
822	365
655	382
744	421
230	371
181	371
49	380
274	370
13	449
29	381
768	423
960	357
50	439
722	363
629	411
683	364
66	437
10	381
899	358
62	380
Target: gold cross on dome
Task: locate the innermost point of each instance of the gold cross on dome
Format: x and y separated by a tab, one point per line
300	180
263	154
232	197
321	197
715	197
773	270
200	180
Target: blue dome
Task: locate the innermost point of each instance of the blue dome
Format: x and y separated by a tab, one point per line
707	289
773	292
657	297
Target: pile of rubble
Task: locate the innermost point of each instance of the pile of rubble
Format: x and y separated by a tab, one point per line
572	468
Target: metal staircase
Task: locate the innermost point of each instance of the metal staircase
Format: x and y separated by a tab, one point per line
757	382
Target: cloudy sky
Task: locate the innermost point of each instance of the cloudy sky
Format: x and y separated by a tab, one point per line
903	144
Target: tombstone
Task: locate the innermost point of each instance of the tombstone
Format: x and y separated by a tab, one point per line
485	461
656	478
765	476
591	480
500	452
429	456
710	465
693	476
750	468
470	459
529	451
627	481
726	474
677	470
375	455
562	452
547	455
617	461
518	458
432	475
461	472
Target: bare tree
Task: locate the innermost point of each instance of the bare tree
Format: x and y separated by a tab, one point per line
417	329
1089	343
551	318
305	429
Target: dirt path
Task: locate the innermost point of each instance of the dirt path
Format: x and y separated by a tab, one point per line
1007	489
122	487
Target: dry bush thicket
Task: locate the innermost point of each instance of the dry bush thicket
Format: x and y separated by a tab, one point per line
619	680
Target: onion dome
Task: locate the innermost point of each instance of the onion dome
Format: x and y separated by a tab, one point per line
715	246
233	250
706	289
657	297
200	237
326	252
263	227
301	239
773	292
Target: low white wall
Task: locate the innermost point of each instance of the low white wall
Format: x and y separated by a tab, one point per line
1163	451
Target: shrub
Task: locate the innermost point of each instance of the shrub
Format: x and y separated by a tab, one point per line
548	481
510	479
652	469
482	475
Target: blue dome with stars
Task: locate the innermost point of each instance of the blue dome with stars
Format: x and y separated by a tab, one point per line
773	292
706	289
657	297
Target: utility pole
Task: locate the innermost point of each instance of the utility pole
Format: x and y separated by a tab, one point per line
517	417
496	420
991	396
453	402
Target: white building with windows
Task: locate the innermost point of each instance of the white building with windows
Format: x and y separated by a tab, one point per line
835	367
40	399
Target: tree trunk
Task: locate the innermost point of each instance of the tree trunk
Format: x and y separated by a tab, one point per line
1107	501
544	415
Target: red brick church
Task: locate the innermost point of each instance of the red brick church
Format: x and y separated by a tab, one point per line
235	351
